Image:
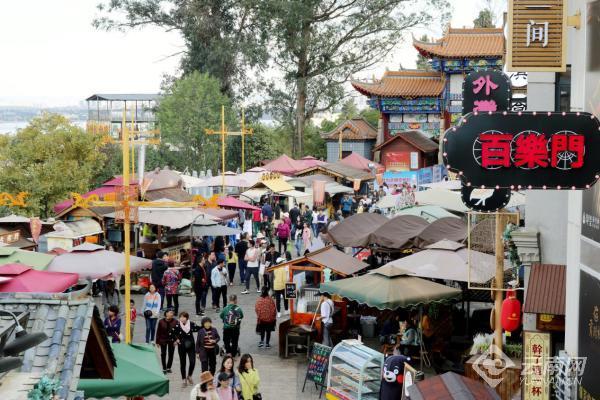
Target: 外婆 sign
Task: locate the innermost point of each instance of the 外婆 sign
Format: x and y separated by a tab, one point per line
536	35
486	90
542	150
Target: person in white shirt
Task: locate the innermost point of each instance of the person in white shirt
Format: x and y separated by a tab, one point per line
219	279
327	308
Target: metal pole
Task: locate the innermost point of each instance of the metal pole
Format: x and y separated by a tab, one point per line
499	283
243	142
223	149
126	227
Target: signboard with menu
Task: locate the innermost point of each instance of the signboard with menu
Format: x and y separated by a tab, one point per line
536	35
536	355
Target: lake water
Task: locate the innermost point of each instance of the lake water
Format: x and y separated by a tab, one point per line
13	126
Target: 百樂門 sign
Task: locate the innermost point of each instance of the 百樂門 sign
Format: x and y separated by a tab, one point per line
536	35
542	150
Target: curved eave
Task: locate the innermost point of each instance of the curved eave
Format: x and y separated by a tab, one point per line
361	89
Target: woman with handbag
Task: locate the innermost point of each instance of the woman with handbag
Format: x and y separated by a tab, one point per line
150	311
249	379
207	347
183	337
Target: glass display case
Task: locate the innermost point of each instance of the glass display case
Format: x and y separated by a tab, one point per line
354	372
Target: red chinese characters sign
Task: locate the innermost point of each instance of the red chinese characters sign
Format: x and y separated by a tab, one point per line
486	90
525	150
530	150
536	357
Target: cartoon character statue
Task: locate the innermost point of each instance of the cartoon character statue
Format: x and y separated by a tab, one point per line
392	378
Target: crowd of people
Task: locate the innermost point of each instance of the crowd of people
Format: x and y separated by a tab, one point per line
269	237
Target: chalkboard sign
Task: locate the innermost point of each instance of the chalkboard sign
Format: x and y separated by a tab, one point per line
318	365
290	290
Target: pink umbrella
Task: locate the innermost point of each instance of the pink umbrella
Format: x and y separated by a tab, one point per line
232	202
22	278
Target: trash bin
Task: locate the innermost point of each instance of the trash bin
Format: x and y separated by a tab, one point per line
367	326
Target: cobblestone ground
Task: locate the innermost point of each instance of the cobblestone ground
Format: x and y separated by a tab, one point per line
281	379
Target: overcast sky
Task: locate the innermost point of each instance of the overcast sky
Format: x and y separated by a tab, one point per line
51	55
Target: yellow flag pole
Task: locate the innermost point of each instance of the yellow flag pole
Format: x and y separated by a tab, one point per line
126	228
243	142
223	149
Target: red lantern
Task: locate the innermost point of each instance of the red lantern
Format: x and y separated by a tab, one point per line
511	312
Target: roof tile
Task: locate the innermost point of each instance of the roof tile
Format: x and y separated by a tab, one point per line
416	138
467	43
406	83
353	129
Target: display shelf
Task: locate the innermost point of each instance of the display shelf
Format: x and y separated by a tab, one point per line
354	371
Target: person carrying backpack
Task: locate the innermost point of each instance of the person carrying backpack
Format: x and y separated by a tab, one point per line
283	234
231	316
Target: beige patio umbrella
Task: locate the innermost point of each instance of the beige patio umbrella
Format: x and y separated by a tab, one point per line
448	260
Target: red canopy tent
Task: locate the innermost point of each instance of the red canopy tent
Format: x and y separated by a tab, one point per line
285	165
232	202
22	278
310	161
357	161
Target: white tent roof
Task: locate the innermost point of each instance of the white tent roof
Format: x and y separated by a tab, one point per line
76	229
441	197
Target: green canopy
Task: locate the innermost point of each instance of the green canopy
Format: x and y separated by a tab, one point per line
389	288
137	374
11	255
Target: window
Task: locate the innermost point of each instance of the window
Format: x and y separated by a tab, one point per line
563	91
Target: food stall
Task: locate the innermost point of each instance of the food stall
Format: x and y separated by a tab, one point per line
302	289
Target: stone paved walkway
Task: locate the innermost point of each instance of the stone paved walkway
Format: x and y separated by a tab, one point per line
281	379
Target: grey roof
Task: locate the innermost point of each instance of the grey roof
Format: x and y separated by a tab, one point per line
124	97
66	319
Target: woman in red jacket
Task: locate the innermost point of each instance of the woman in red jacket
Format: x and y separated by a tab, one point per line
266	315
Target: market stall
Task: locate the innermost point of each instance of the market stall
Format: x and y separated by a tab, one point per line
304	275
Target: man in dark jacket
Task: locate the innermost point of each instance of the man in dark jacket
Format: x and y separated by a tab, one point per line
294	214
159	266
267	211
240	249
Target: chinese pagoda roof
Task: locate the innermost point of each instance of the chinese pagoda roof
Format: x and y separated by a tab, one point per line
353	129
415	138
405	83
464	43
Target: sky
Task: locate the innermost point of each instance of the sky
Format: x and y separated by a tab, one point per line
53	56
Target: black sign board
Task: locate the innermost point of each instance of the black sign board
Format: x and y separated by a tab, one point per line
318	365
290	291
589	336
486	90
525	150
485	200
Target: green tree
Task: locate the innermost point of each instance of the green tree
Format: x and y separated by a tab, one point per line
349	110
222	37
265	143
191	105
486	17
422	62
49	159
318	45
314	144
371	115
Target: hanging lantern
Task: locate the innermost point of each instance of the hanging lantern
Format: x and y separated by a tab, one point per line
511	312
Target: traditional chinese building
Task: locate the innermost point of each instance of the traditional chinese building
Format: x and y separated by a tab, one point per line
407	151
429	101
355	135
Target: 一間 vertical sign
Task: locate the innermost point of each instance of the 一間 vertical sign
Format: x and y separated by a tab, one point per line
536	35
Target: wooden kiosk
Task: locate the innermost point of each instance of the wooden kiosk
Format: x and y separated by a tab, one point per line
304	276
